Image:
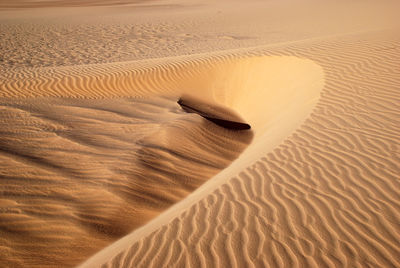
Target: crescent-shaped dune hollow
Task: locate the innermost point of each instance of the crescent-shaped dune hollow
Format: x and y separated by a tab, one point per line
87	161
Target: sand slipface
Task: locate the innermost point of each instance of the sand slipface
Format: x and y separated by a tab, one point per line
106	160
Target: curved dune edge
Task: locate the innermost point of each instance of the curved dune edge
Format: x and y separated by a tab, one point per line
273	93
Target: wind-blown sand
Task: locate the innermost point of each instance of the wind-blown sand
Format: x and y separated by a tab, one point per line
100	166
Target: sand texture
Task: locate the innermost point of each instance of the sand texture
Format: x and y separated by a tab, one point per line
101	167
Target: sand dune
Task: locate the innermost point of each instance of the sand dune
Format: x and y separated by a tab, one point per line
101	167
141	156
327	195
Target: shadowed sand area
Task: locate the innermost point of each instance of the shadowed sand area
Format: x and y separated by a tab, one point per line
100	165
78	174
221	117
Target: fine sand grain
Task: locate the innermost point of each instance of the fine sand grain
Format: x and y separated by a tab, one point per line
100	166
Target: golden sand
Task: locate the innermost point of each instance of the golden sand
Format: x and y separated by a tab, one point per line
100	166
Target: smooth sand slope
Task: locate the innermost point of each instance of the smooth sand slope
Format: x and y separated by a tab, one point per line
94	148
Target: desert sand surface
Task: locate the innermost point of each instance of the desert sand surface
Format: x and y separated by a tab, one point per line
101	167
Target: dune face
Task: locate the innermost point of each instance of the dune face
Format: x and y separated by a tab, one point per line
116	147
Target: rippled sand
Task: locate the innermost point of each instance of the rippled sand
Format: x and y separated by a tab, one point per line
100	166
